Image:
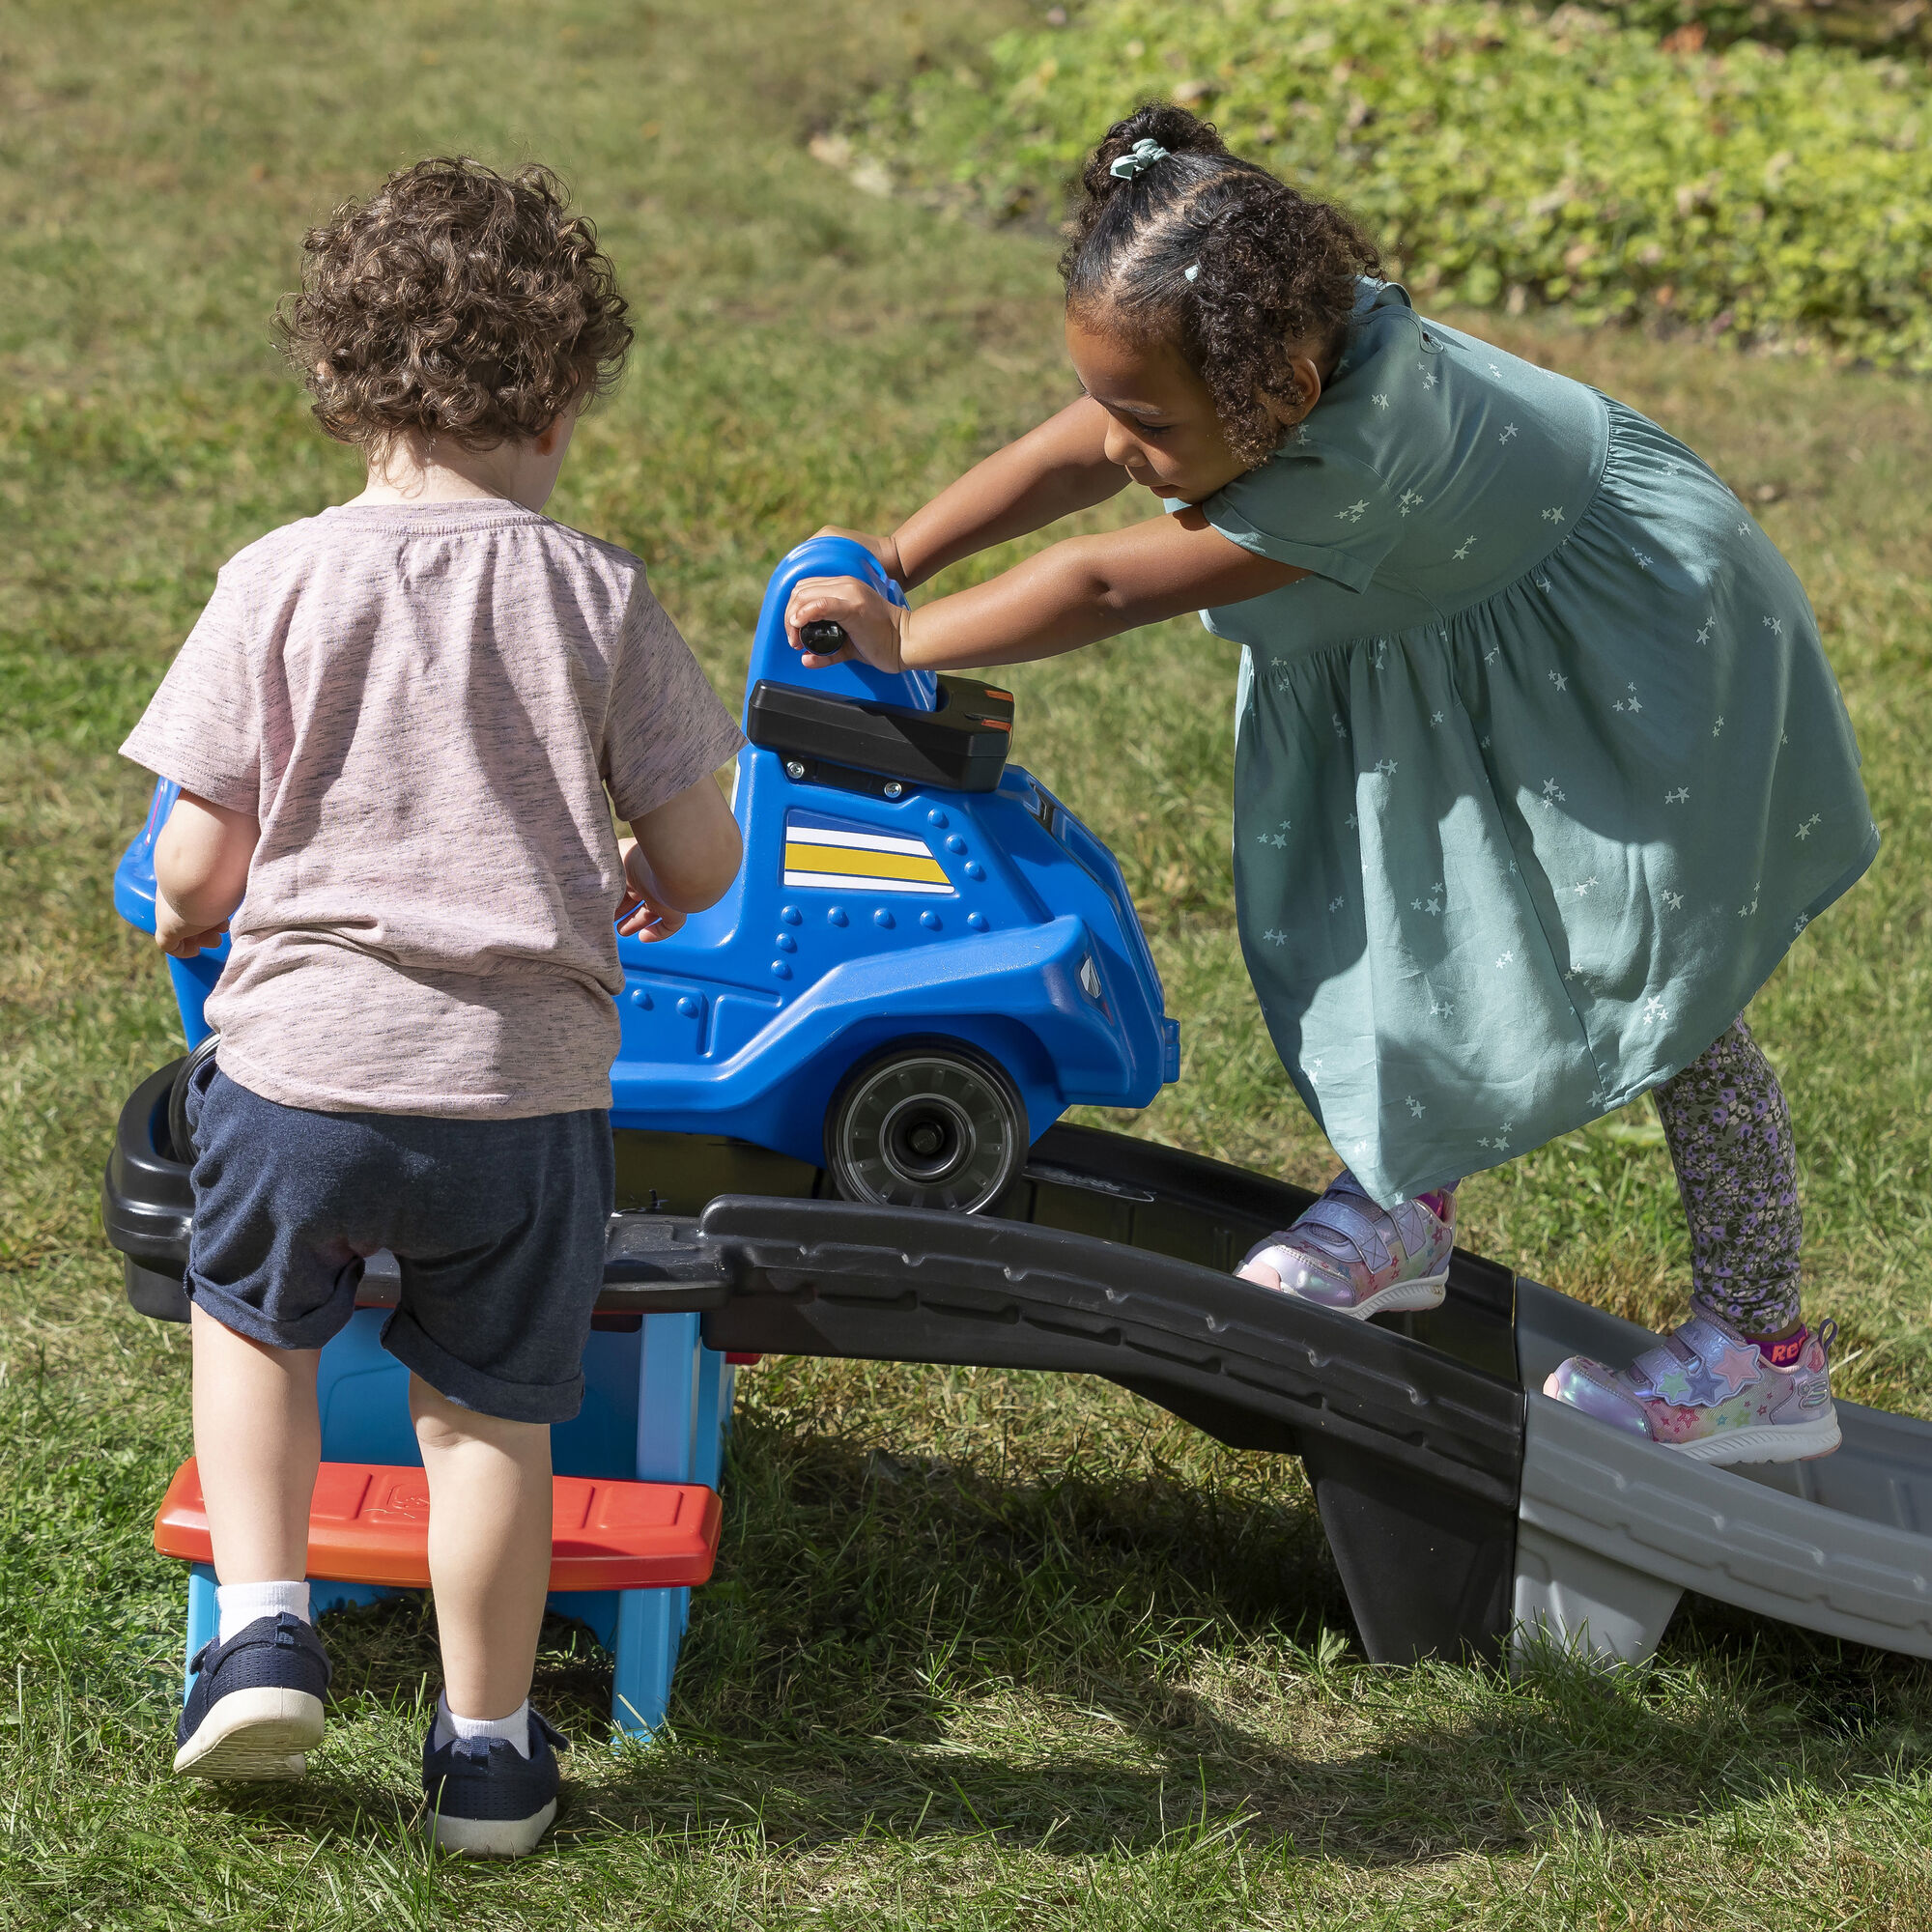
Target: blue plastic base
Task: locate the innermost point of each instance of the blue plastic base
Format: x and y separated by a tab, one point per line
657	1404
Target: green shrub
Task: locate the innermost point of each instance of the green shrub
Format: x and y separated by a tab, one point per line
1866	26
1502	154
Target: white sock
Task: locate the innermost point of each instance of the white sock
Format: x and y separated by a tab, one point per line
515	1729
240	1604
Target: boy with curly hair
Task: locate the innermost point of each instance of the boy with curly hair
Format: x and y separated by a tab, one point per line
399	729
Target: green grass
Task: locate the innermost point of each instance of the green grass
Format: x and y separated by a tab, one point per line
983	1650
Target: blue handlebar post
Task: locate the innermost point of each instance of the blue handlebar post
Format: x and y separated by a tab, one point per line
772	658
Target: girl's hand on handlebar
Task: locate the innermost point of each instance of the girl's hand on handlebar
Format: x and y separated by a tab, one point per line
874	627
885	548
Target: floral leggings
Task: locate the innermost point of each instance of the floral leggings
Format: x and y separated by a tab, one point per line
1729	1133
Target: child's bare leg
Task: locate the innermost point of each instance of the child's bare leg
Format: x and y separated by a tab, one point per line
255	1707
488	1547
258	1442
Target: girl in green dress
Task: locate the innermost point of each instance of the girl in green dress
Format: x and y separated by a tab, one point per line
1540	765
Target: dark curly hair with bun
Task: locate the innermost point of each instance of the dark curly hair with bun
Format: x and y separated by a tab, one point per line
1275	271
456	302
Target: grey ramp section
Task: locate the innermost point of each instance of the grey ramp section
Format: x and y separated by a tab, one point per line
1612	1530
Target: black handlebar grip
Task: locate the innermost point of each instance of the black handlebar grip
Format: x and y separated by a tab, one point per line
823	637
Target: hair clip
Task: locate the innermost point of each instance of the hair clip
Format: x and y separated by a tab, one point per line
1192	272
1138	161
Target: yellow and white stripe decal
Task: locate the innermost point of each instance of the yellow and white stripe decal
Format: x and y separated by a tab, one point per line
862	861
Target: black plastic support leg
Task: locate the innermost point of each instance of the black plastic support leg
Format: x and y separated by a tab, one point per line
1428	1568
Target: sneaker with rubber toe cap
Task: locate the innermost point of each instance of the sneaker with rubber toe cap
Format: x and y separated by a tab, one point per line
1353	1256
254	1709
1708	1392
486	1799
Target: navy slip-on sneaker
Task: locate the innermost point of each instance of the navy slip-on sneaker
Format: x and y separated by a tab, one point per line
485	1798
255	1705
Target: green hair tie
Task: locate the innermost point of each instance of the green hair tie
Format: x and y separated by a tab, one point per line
1138	161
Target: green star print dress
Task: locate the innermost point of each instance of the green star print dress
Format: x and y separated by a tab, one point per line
1537	775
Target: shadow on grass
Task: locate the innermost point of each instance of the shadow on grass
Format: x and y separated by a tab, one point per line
906	1648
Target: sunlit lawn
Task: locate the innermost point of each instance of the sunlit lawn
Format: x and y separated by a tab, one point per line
983	1650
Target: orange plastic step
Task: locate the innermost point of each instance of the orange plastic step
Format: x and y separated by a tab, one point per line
369	1523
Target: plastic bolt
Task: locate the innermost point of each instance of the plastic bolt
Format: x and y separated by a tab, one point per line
937	817
790	915
955	843
779	970
977	921
930	921
690	1005
884	918
786	943
836	916
973	870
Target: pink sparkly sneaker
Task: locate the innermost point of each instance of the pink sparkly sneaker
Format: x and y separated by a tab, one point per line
1710	1394
1351	1256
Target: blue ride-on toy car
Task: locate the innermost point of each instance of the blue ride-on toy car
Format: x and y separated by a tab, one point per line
924	960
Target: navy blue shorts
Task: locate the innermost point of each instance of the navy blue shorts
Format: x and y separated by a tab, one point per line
497	1227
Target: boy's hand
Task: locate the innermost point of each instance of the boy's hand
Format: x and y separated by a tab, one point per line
176	937
642	915
885	548
874	626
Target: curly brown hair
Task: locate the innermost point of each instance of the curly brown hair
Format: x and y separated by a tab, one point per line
1272	270
455	302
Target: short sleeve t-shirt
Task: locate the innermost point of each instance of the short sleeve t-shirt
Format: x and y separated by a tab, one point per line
430	709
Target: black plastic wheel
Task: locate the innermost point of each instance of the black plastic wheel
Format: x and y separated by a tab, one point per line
178	1135
926	1126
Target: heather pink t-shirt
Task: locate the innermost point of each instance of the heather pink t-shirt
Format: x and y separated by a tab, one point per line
423	706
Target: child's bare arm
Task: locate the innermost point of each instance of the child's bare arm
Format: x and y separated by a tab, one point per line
679	859
201	870
1048	473
1073	594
